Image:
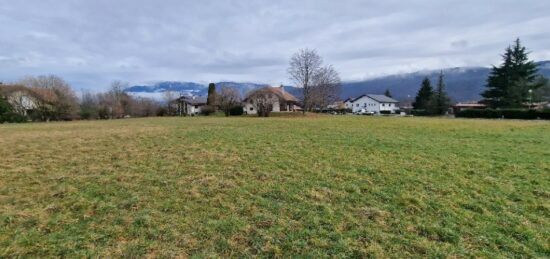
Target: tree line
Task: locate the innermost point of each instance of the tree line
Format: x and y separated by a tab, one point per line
430	101
515	83
50	98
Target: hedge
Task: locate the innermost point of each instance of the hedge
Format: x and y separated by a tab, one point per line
12	118
505	114
236	111
421	113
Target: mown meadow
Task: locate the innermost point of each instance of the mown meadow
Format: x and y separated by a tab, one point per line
321	186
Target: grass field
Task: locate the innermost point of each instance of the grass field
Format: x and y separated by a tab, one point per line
309	187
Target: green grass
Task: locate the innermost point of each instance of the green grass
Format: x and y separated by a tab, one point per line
340	186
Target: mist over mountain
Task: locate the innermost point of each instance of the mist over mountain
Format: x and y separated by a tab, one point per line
462	84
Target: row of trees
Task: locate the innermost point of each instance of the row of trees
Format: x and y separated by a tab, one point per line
115	103
516	83
432	101
45	98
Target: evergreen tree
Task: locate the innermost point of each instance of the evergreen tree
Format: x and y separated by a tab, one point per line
424	95
541	94
211	100
440	102
5	106
5	109
387	93
508	85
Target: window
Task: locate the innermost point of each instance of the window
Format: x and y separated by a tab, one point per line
383	104
365	105
196	106
357	105
251	108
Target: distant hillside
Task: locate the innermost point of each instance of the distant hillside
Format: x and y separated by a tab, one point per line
188	88
463	84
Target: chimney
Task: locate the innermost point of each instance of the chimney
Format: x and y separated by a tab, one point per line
282	89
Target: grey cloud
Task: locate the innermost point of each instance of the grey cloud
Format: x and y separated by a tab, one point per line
93	42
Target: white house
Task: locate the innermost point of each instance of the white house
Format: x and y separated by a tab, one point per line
372	103
190	105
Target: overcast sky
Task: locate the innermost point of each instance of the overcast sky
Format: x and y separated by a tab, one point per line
92	42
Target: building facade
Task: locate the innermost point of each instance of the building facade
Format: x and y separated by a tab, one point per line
373	103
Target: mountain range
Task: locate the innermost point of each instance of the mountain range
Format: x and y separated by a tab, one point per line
462	84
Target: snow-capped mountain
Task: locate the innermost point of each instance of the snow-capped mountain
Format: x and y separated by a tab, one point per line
462	84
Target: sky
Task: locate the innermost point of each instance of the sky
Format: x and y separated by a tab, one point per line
91	43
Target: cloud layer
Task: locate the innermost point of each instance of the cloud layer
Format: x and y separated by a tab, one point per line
91	43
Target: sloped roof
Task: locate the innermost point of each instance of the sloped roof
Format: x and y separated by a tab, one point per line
277	91
377	97
382	98
193	100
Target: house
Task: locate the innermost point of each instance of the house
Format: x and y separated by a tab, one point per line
372	103
278	98
348	104
537	105
190	105
458	107
338	105
23	100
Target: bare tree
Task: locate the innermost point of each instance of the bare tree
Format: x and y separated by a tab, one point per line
320	85
88	106
169	97
326	87
228	98
263	101
56	98
304	65
115	103
21	98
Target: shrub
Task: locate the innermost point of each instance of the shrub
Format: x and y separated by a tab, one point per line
208	110
103	113
7	114
88	113
161	112
236	111
418	112
385	112
504	113
12	117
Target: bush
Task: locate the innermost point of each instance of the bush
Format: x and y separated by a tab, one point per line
418	112
7	114
504	113
12	118
385	112
161	112
103	113
236	111
88	113
208	110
